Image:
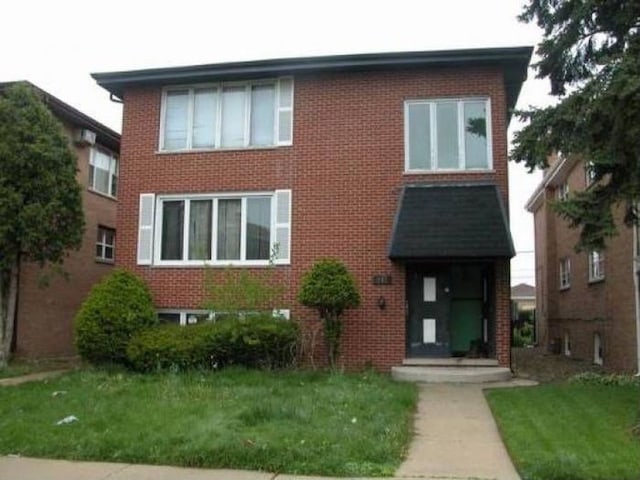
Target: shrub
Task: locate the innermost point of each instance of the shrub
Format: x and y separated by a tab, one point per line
612	379
117	307
252	341
329	288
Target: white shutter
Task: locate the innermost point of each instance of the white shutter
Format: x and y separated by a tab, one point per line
283	226
285	111
145	228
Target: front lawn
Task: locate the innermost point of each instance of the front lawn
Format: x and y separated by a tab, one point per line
570	431
294	422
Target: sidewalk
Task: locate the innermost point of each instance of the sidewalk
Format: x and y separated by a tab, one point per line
456	436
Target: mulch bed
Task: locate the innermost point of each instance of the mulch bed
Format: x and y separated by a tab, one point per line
539	364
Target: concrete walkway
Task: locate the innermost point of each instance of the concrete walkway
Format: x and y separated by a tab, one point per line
32	377
456	436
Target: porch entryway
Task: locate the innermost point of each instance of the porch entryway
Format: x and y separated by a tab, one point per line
450	310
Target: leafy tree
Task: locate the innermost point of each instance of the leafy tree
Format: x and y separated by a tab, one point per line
591	54
329	288
41	214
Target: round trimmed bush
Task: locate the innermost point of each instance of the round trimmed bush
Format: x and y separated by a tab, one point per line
117	307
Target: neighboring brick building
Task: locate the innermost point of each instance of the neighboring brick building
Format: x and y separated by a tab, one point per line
587	302
220	163
44	318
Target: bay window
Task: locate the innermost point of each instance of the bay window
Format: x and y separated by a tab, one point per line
228	115
447	134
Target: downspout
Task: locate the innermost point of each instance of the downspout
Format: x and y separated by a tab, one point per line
636	284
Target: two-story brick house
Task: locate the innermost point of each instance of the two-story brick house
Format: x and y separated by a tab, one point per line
394	163
44	317
586	302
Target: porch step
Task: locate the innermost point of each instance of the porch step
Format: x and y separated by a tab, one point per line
451	362
462	374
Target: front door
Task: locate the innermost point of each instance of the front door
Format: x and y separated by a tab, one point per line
428	303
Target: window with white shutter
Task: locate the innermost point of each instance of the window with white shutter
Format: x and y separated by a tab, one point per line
145	228
217	229
283	226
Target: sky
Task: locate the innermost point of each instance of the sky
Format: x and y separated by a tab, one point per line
57	44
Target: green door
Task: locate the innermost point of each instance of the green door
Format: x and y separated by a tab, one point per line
465	324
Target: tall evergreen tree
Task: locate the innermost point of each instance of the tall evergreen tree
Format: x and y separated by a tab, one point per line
41	215
591	54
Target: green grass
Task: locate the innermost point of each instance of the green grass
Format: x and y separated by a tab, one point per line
290	422
15	370
569	431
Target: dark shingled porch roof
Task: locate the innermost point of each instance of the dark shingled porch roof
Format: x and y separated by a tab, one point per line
452	220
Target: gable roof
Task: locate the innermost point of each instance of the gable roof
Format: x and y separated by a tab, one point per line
451	220
513	60
523	290
104	135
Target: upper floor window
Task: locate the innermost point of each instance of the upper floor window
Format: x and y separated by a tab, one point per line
448	134
596	266
562	192
565	273
103	172
228	115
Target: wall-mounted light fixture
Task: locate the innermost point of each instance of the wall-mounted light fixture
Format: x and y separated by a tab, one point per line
382	303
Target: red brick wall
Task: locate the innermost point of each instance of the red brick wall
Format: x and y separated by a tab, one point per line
345	169
606	307
45	314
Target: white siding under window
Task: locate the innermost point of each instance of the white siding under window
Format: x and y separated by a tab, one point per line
228	115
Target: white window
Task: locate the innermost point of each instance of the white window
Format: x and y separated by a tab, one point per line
103	172
596	266
447	134
105	244
589	174
215	229
193	317
184	317
597	349
228	115
565	273
562	192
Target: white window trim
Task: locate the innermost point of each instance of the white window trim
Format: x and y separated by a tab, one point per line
596	269
565	274
562	193
102	242
218	133
589	174
434	136
157	236
113	171
184	314
566	344
598	358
